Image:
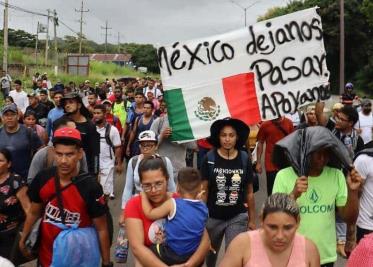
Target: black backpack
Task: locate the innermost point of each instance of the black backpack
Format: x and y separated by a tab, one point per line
108	140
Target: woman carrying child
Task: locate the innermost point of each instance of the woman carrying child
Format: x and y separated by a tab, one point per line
144	232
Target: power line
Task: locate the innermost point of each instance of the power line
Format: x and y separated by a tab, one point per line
23	9
37	14
106	34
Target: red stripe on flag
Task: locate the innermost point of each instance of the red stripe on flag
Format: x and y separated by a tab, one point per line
240	94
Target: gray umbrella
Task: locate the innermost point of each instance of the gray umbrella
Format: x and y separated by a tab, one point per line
295	149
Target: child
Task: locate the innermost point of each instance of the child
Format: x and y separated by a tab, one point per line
186	219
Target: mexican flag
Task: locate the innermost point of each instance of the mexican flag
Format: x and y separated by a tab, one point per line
191	112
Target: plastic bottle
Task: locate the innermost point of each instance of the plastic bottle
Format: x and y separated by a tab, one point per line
121	248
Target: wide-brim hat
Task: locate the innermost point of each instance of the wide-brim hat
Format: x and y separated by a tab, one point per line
74	95
241	128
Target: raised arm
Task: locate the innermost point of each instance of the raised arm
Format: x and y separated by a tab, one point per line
167	208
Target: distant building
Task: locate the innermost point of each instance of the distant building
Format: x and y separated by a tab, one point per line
119	59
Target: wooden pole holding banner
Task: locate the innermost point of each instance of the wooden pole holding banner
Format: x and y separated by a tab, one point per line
341	47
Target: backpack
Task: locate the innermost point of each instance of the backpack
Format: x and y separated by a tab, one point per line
245	163
108	140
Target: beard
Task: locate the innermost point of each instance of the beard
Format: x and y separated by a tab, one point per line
99	121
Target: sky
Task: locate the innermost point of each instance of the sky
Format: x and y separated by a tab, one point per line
157	22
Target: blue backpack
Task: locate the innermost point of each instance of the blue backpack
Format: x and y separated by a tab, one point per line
74	246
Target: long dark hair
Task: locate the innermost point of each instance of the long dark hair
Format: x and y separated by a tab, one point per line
6	153
151	164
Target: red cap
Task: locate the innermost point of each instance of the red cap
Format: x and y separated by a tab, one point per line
67	134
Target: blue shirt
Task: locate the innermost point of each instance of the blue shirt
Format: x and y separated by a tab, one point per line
54	114
185	228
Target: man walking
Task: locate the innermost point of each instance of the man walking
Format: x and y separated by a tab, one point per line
269	133
64	188
19	140
19	96
74	109
110	150
55	113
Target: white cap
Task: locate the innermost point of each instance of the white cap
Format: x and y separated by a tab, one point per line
147	136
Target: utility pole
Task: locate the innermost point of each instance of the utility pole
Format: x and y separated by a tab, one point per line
5	52
106	34
81	26
47	40
36	44
244	8
341	46
55	24
118	42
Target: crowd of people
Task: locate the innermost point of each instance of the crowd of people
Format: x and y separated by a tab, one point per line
62	145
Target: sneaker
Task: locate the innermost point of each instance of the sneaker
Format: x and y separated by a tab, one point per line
112	196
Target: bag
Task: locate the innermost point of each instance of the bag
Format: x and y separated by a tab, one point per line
245	160
74	246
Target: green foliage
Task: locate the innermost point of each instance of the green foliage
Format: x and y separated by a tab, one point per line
358	37
19	38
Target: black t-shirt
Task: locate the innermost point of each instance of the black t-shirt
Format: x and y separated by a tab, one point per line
41	113
91	144
9	204
49	104
227	188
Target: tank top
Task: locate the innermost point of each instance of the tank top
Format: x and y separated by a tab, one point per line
143	127
259	257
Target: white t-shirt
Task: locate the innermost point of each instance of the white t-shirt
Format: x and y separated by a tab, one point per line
365	123
364	166
156	92
20	99
105	160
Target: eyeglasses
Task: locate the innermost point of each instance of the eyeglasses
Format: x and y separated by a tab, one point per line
147	145
148	187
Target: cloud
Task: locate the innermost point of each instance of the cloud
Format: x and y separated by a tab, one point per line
143	21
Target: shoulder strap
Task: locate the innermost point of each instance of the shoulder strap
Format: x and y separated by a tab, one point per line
134	162
107	138
211	161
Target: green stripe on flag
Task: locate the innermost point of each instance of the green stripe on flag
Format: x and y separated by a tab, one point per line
177	115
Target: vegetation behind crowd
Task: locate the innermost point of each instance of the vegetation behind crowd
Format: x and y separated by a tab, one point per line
358	38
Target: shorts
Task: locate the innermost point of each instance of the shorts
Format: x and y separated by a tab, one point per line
167	255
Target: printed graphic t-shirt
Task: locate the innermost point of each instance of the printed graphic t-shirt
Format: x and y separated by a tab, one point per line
82	202
317	206
227	189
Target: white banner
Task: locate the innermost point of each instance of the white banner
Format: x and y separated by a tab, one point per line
286	56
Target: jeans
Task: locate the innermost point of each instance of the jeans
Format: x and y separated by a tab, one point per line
217	229
270	181
341	229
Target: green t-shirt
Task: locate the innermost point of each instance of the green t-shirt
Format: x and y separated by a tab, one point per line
317	206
